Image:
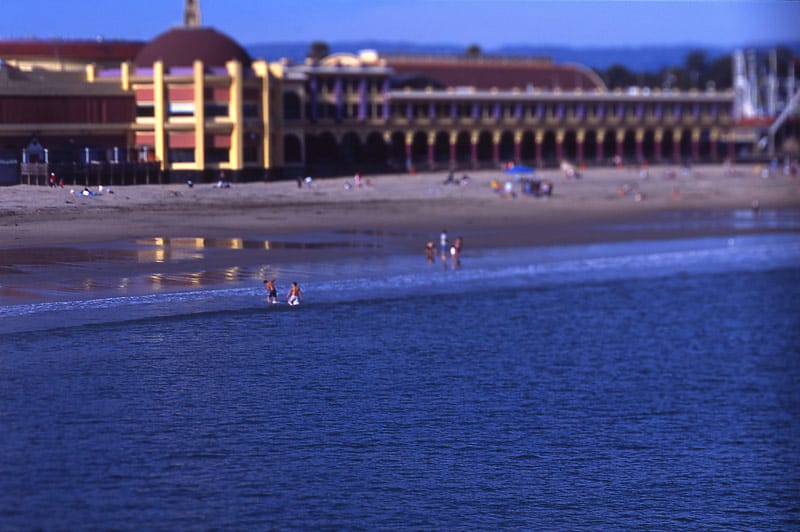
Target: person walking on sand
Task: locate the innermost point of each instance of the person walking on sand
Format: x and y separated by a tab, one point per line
295	295
272	292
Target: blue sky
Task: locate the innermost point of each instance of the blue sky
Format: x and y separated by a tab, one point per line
488	23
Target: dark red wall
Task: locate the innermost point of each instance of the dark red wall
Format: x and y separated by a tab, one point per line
67	109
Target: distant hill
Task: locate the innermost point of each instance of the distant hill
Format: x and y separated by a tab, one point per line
640	59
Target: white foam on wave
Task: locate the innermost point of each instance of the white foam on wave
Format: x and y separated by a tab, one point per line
405	276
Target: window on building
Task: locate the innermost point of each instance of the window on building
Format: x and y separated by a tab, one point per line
145	111
181	155
217	155
215	109
181	109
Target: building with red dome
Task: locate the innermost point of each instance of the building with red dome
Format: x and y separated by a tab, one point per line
192	103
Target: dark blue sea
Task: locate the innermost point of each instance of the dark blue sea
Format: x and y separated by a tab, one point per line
623	386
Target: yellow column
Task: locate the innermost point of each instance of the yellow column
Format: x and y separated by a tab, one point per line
539	139
474	136
658	137
560	134
452	146
159	114
125	75
496	135
676	144
517	145
261	69
431	145
199	117
409	142
600	139
639	138
236	155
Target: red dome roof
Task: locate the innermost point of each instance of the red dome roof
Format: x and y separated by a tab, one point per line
180	47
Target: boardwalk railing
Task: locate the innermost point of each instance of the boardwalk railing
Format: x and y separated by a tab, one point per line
92	174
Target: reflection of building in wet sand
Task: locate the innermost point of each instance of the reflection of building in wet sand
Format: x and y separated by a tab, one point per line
195	104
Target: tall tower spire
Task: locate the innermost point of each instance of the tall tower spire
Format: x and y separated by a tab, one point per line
191	14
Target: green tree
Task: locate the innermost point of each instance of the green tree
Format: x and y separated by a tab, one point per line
720	72
694	75
318	50
473	51
617	77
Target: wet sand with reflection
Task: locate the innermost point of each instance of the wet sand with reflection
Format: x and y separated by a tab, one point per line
146	239
154	264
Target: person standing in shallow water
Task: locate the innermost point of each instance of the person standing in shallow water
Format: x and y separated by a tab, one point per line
455	251
430	253
295	295
443	244
272	292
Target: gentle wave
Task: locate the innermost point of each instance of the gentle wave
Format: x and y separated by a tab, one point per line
403	276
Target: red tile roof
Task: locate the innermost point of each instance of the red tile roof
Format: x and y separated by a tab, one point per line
89	51
501	73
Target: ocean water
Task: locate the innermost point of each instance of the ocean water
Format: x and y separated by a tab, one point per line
640	385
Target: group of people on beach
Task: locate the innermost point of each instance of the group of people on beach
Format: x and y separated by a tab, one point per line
445	249
293	296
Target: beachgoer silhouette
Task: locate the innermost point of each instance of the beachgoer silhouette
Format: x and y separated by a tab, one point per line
429	251
295	295
272	292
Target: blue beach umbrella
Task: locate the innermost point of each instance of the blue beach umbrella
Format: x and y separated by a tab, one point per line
520	169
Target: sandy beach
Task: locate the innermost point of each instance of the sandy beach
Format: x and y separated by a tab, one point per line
39	216
56	243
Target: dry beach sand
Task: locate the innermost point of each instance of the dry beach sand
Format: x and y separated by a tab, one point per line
40	216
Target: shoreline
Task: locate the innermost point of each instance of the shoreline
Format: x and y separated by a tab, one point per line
55	245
